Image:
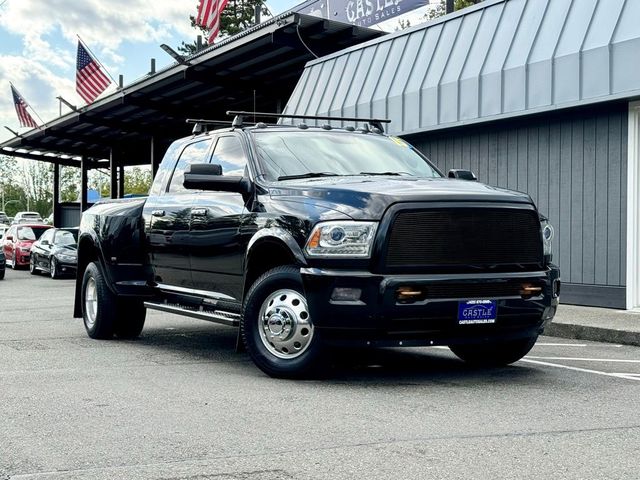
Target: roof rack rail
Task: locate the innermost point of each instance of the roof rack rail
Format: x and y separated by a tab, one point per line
201	123
238	121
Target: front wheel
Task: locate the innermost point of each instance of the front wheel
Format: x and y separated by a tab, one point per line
53	268
277	328
33	270
494	354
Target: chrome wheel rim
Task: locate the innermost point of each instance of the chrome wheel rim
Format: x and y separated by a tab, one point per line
285	325
91	302
32	265
53	268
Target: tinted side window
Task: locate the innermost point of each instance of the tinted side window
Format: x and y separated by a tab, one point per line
229	154
193	153
166	167
48	235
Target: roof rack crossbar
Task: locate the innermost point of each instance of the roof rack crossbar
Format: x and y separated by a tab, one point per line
239	116
201	123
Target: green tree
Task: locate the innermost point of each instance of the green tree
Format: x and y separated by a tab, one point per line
237	16
69	184
36	180
441	8
137	181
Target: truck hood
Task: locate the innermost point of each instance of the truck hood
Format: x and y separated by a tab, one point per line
368	197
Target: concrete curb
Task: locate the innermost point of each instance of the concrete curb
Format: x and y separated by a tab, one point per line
595	334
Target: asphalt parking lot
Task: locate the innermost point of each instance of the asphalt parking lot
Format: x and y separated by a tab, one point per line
181	403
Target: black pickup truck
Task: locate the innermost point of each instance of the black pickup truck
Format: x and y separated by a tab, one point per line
307	238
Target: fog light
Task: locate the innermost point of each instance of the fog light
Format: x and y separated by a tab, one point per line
346	294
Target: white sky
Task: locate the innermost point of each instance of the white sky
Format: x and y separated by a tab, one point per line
38	44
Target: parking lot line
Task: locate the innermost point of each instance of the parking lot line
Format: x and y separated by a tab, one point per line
543	344
585	370
584	359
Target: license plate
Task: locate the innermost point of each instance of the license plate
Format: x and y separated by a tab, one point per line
474	312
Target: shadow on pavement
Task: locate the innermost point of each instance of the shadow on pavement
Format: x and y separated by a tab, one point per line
388	366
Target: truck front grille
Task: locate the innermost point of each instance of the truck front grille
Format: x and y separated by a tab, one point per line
474	238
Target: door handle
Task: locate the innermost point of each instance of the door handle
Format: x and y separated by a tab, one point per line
199	212
158	213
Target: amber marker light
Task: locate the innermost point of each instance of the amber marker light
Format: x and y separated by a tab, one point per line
528	290
314	241
409	294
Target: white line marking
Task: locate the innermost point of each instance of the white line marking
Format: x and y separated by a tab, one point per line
585	370
584	359
541	344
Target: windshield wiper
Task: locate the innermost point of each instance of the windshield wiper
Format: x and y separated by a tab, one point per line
309	175
386	173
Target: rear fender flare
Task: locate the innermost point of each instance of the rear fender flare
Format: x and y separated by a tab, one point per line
88	238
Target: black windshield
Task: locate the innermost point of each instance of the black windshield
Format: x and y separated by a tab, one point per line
292	154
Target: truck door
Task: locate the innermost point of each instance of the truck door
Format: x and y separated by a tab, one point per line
217	251
168	217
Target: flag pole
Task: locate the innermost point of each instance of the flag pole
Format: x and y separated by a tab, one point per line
28	105
96	58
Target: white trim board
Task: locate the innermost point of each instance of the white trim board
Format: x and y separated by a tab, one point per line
633	207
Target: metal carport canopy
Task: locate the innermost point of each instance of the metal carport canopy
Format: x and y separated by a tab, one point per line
257	68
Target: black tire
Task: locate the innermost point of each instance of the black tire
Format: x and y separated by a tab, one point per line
131	318
112	315
53	268
494	354
33	270
2	274
98	323
309	362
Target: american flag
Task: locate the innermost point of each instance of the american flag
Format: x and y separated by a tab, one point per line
209	12
91	81
25	119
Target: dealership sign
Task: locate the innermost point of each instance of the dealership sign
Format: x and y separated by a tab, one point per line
361	12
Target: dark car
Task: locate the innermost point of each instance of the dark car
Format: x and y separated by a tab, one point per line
3	265
18	240
56	252
308	237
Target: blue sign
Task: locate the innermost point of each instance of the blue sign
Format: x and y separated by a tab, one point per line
473	312
363	13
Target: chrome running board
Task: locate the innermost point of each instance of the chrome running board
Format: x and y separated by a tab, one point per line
218	316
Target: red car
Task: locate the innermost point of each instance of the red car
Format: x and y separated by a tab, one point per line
17	242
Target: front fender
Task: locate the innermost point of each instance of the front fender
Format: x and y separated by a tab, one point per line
279	235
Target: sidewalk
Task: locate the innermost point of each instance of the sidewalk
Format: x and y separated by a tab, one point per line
596	324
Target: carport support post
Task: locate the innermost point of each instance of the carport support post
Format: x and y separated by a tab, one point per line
155	160
84	182
120	181
57	220
113	170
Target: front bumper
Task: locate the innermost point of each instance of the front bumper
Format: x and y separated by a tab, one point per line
67	267
379	318
21	259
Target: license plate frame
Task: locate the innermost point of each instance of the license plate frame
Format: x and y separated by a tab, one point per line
477	312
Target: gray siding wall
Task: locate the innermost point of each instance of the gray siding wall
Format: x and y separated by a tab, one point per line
574	167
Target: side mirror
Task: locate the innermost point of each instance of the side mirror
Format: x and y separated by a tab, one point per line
209	177
462	174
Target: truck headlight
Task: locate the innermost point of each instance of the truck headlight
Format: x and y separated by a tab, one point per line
547	236
341	239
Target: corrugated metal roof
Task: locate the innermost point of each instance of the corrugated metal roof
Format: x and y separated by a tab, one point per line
498	59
